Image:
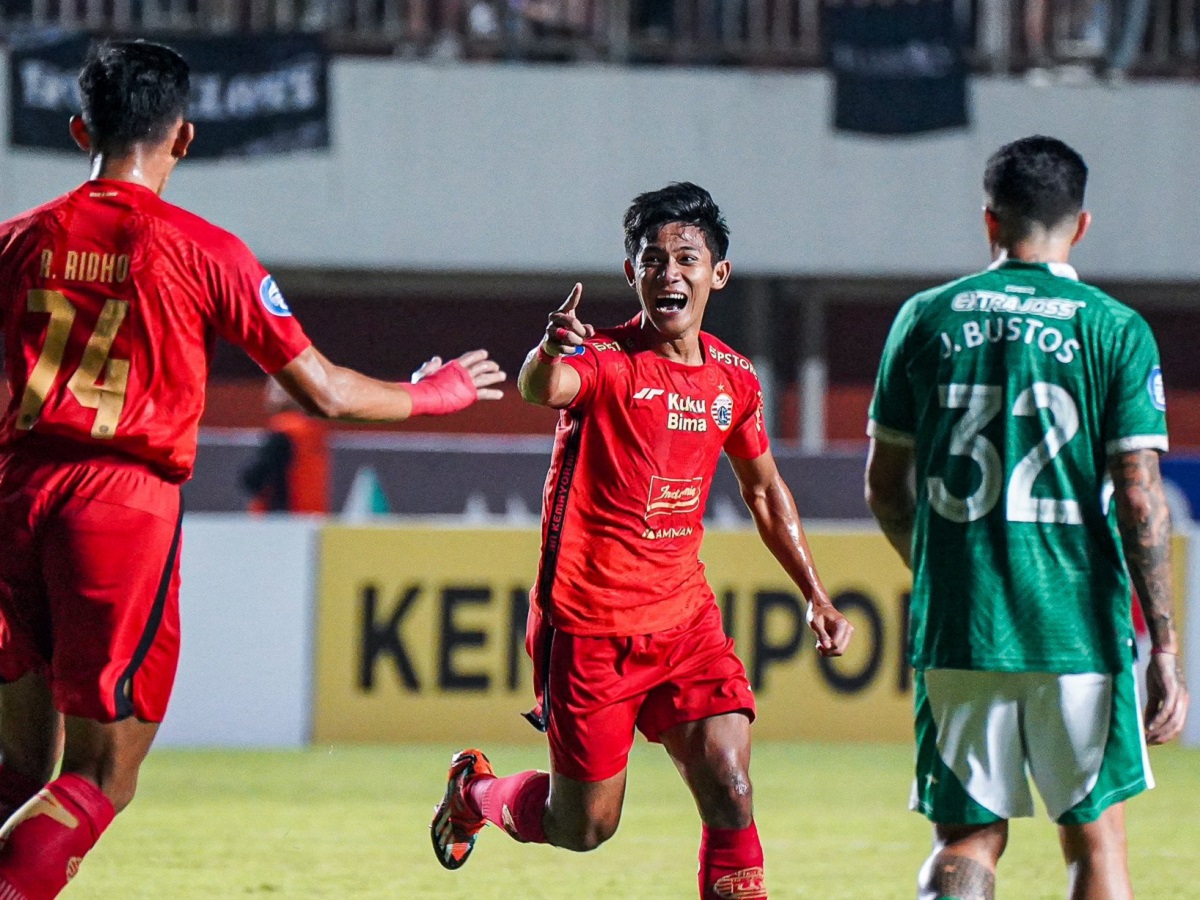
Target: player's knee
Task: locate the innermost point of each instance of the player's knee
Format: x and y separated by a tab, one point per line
727	800
586	834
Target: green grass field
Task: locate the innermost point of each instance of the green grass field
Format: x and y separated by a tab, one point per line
350	822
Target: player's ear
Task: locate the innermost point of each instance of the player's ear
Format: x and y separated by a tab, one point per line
630	272
1083	223
80	134
183	139
992	224
721	273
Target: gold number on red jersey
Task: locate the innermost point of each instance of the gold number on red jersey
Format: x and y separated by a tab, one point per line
108	399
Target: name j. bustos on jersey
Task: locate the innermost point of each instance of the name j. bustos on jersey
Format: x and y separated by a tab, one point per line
996	329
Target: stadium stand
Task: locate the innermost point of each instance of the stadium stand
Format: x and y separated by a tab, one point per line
1137	36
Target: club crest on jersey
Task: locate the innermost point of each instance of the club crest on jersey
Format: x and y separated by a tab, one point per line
1154	384
272	297
722	411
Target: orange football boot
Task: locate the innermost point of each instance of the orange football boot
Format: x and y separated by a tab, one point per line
455	825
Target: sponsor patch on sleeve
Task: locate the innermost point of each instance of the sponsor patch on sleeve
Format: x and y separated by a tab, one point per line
1154	385
272	297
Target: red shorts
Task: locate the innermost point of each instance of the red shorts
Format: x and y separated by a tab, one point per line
601	688
89	584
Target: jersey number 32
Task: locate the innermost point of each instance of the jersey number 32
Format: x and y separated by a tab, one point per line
982	403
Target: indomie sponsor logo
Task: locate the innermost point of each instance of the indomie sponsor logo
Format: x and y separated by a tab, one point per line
993	301
673	495
665	534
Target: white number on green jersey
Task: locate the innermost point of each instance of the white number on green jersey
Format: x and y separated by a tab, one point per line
982	404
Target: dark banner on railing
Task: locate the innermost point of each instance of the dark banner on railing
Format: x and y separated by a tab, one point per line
898	67
249	95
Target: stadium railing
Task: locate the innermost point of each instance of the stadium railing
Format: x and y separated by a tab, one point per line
1146	36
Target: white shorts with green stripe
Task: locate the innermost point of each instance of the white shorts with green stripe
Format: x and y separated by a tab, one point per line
981	736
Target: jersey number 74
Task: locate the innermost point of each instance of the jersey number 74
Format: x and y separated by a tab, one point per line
108	399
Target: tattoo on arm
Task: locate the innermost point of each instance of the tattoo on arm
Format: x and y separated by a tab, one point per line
1145	525
962	877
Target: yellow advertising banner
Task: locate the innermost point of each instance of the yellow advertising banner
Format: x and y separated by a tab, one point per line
421	635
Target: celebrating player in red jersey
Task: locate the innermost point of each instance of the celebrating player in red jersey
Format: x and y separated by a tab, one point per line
624	630
110	301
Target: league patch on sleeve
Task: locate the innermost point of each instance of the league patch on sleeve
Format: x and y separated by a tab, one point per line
272	297
1154	385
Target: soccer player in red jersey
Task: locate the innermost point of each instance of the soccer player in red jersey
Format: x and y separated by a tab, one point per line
110	302
624	630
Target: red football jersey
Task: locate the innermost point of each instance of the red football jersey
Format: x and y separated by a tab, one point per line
111	300
634	457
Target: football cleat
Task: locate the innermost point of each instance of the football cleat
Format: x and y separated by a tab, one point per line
455	825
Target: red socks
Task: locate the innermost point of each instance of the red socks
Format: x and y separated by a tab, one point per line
41	851
15	789
516	803
731	864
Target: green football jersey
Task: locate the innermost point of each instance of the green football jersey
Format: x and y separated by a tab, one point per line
1014	386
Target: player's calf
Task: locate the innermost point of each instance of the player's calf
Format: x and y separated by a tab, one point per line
1097	857
582	815
962	865
580	832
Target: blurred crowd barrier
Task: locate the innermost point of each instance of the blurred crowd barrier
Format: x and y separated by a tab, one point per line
1101	36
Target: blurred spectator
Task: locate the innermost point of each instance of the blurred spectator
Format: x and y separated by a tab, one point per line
559	18
290	470
441	21
653	19
1037	31
1129	20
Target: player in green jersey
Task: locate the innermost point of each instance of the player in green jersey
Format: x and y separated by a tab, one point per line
1027	410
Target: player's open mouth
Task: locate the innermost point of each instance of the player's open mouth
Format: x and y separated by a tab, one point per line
670	302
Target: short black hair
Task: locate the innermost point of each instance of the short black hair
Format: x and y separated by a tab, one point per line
680	201
1035	181
132	92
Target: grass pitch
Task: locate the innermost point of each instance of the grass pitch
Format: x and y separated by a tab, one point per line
351	822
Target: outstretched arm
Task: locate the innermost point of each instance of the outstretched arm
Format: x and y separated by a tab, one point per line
774	512
1144	522
889	493
543	380
335	392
